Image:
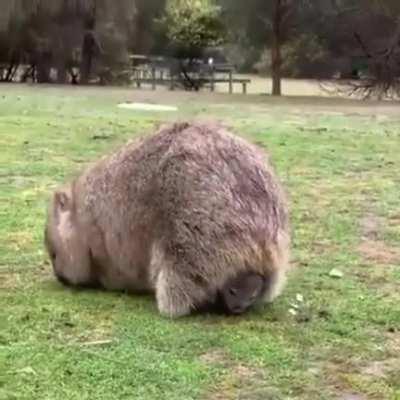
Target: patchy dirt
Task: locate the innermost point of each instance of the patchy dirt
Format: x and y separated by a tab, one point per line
393	342
379	252
370	226
215	357
394	220
9	281
351	396
13	278
361	380
381	369
321	246
239	382
333	371
372	247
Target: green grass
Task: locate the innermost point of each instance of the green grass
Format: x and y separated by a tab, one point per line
340	163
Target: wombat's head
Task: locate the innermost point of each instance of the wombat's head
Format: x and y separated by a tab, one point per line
241	292
66	241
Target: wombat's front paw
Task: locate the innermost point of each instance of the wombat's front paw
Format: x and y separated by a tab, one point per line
171	310
170	300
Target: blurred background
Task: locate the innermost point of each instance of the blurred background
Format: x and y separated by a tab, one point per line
196	43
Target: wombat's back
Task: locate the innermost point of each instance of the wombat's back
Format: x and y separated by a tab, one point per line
220	203
183	210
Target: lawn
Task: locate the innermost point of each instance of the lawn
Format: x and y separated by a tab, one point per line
326	337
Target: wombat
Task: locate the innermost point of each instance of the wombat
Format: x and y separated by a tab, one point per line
177	213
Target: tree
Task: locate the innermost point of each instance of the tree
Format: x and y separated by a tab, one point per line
282	9
267	24
379	42
147	36
286	23
367	35
192	25
54	40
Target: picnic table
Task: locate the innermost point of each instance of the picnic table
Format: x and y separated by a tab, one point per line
191	74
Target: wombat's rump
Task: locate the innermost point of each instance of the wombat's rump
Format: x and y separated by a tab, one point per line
178	213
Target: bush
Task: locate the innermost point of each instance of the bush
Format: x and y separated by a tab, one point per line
304	57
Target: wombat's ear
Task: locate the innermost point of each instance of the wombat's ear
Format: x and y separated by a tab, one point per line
62	201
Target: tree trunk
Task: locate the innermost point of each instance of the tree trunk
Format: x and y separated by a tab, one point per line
87	58
276	58
90	46
61	70
10	71
43	67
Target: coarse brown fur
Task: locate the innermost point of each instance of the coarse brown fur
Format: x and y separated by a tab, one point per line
177	213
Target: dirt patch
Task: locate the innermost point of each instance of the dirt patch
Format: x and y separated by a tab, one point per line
334	370
9	281
393	341
351	396
379	252
23	277
370	226
350	380
215	357
244	383
372	247
19	240
394	220
244	372
381	369
239	382
218	357
322	246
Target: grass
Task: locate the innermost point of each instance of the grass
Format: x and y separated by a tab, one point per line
339	161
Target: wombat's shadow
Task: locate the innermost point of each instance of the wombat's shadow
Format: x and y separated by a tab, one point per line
209	309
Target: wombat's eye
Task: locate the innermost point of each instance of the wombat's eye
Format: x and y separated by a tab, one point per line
53	256
233	291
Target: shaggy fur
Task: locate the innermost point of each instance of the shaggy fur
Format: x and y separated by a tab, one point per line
177	213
